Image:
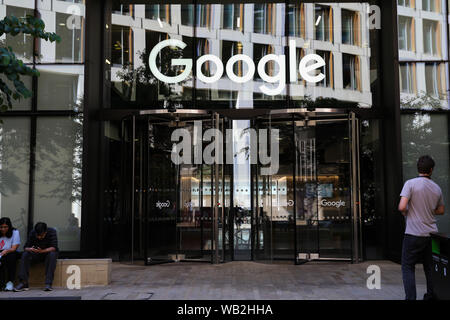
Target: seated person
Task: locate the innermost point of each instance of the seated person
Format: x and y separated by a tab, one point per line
41	245
9	242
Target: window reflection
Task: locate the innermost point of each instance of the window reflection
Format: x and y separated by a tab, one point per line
351	77
22	44
60	88
57	199
296	16
70	49
211	29
424	133
158	11
350	27
122	41
14	168
233	16
323	23
265	18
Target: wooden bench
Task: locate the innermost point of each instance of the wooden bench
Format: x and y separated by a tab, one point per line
94	272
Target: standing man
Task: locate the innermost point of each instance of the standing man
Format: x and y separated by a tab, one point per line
41	246
421	199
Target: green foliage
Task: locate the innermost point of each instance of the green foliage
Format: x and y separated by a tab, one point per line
13	68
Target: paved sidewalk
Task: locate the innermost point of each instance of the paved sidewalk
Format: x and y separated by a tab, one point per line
242	280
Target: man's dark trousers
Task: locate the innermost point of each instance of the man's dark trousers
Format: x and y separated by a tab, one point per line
416	250
30	257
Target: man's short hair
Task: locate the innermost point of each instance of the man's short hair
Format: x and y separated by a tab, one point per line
40	227
425	164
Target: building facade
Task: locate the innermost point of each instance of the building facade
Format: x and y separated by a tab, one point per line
91	153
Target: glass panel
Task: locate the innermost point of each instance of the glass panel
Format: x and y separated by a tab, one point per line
349	71
324	224
14	172
326	69
57	199
322	25
67	21
220	29
61	88
282	207
424	71
161	212
428	134
372	188
296	20
242	190
424	85
22	45
404	33
22	104
71	47
347	26
429	37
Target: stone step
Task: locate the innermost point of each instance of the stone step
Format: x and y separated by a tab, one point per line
93	272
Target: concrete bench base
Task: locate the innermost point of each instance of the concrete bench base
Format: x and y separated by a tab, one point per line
93	272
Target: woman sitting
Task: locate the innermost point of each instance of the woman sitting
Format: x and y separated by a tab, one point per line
9	242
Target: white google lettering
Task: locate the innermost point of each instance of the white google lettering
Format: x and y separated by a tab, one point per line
337	204
161	205
307	67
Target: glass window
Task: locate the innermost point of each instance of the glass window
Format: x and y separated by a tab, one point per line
428	134
259	51
405	29
60	87
22	104
158	11
136	86
71	31
14	169
57	199
21	44
122	46
407	77
233	16
430	30
350	71
327	69
350	27
264	18
296	16
187	14
430	5
204	15
431	78
229	49
323	23
123	9
404	3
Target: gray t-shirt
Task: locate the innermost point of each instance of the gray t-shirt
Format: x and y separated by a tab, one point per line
424	197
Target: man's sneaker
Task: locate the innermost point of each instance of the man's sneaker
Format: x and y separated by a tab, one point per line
21	287
48	287
9	286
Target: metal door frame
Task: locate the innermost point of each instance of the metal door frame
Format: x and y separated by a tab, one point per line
217	118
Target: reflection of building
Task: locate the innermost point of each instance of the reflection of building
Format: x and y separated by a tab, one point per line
99	71
423	52
54	131
254	30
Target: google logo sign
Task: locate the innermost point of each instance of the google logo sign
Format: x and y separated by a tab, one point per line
307	67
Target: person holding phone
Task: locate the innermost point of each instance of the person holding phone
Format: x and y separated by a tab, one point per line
41	246
9	242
